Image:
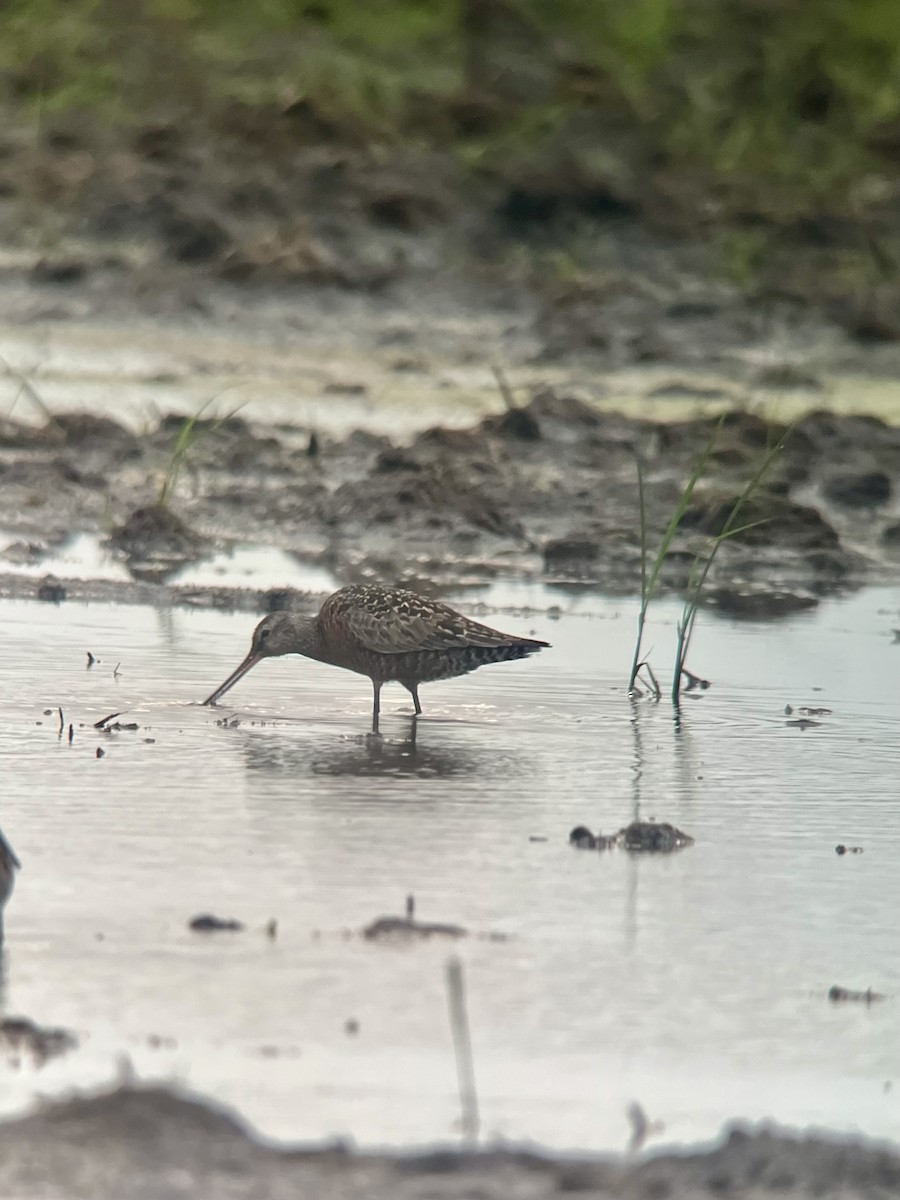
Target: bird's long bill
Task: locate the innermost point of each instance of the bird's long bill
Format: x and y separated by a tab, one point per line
250	661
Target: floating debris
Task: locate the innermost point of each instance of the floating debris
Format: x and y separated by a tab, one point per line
90	660
405	927
653	837
207	923
639	836
582	839
18	1035
104	726
409	927
842	849
839	995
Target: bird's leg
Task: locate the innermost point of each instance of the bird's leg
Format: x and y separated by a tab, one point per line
376	706
413	689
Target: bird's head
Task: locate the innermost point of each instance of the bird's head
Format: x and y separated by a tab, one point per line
275	634
278	633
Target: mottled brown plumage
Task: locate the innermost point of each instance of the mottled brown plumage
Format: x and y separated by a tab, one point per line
389	634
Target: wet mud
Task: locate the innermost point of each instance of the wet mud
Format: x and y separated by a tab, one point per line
546	489
153	1144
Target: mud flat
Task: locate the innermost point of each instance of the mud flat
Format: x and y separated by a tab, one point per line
547	488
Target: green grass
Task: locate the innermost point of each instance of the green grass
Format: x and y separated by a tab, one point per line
780	106
651	571
701	566
188	436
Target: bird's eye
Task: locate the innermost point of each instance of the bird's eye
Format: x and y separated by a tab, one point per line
263	634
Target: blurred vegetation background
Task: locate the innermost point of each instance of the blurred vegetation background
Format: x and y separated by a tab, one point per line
798	96
740	115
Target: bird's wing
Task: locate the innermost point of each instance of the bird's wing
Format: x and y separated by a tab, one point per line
411	623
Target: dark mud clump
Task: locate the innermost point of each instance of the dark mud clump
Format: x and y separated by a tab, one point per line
867	490
841	995
152	1144
407	928
21	1038
155	541
207	923
649	837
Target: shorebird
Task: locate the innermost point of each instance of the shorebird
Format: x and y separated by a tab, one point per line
9	864
389	634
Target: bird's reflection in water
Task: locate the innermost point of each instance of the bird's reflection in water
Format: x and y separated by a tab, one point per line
414	755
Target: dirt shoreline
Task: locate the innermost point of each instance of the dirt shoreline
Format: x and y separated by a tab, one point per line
154	1144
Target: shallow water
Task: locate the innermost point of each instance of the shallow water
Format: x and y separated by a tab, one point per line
695	983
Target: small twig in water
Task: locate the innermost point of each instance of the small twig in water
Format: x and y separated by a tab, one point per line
410	907
71	734
105	720
62	721
462	1044
116	670
90	660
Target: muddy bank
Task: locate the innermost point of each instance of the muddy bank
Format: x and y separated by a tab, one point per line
605	253
151	1144
548	490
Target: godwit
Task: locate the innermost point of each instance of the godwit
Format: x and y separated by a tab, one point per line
387	634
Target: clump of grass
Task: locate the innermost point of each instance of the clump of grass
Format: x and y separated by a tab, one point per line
700	568
703	564
188	435
650	572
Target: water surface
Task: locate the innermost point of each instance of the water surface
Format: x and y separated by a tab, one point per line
694	983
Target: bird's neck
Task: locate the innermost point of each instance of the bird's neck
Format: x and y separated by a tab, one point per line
306	639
